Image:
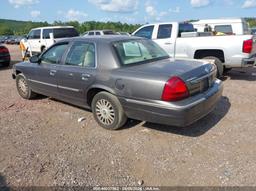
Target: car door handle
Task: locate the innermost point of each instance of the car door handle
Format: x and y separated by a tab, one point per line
168	43
85	77
53	72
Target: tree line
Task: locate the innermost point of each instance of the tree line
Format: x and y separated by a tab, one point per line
11	27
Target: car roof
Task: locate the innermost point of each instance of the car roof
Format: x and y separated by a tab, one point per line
103	38
53	27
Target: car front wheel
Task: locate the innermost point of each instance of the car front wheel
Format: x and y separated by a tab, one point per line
23	87
108	111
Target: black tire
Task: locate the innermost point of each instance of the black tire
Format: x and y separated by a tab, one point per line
226	70
108	111
23	88
218	64
43	49
7	64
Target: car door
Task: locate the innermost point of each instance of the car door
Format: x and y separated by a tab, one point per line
34	40
77	73
164	38
47	70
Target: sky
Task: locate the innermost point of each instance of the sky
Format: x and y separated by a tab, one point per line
125	11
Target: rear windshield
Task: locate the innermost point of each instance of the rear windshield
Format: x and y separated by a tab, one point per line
108	32
65	32
139	51
227	29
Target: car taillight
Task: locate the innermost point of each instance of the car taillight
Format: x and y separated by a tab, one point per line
247	46
3	50
175	89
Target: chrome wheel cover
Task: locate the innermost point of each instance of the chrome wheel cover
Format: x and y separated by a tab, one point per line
22	85
105	112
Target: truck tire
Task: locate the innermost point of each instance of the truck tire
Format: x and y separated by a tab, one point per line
218	64
108	111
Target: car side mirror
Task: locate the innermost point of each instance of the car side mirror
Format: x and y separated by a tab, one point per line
35	59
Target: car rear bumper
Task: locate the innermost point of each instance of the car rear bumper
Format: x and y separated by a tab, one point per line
181	113
251	61
5	58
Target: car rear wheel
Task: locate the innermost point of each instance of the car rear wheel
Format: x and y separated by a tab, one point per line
23	88
6	64
108	111
218	64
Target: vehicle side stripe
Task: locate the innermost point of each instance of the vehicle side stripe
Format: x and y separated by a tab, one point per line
52	85
47	84
67	88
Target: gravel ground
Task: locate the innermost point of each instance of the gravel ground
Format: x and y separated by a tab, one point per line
43	144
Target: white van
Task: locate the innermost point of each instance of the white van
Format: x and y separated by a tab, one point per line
227	26
42	38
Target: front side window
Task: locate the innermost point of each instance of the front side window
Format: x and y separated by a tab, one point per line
81	54
54	54
91	33
164	31
227	29
34	34
145	32
139	51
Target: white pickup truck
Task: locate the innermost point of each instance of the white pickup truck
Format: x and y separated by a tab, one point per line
180	41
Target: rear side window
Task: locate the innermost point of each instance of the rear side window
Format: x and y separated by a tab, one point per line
185	27
227	29
97	33
34	34
145	32
164	31
65	32
46	33
81	54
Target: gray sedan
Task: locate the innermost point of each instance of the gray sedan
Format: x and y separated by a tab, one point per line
120	77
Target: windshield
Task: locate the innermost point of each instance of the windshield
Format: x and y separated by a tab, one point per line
139	51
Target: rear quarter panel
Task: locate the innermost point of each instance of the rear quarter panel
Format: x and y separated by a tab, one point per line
138	85
231	46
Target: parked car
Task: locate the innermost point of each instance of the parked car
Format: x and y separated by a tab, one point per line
120	77
227	26
39	39
10	40
98	32
18	39
180	41
5	58
253	31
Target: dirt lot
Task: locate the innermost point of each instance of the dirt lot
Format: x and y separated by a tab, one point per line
42	143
